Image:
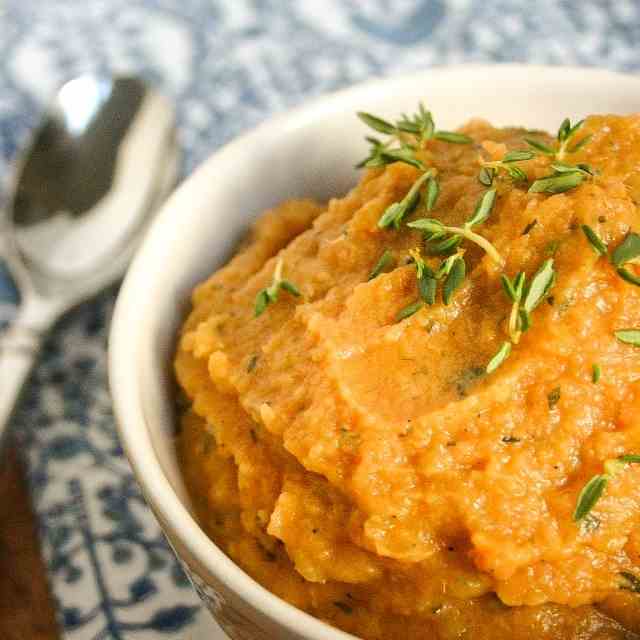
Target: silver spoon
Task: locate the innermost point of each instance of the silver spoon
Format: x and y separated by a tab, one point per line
99	165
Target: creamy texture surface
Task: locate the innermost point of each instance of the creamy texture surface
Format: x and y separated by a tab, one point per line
367	469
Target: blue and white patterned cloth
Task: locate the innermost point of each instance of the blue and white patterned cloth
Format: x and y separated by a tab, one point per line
228	64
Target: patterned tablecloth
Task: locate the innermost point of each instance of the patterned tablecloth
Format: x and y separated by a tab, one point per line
228	64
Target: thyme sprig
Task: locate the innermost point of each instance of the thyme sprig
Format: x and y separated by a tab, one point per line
452	272
450	236
565	176
270	294
396	212
565	145
384	261
409	131
524	299
490	169
593	490
408	134
627	252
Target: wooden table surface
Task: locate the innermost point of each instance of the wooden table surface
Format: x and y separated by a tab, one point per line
26	608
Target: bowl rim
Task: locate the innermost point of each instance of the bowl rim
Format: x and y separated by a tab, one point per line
125	383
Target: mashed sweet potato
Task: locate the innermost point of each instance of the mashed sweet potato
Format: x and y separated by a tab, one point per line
367	468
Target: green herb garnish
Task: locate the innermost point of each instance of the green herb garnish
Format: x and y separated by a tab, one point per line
628	336
269	295
491	168
450	237
376	123
514	290
395	213
529	226
427	282
501	355
540	146
453	277
596	373
451	136
627	251
563	167
565	176
541	282
385	260
564	137
589	495
594	489
598	244
433	191
558	183
410	132
409	310
486	176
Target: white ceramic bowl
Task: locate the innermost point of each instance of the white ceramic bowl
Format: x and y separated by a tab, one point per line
307	152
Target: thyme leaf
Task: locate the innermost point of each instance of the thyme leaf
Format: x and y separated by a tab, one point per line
557	183
454	279
628	336
589	495
540	146
486	176
596	373
433	191
630	458
627	251
376	123
483	209
598	244
540	285
627	275
409	310
452	137
518	156
594	489
385	260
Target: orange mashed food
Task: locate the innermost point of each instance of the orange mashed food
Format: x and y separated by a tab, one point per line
367	469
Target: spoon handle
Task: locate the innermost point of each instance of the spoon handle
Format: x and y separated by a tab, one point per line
19	347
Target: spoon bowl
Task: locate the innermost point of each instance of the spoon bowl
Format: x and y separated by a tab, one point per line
99	165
